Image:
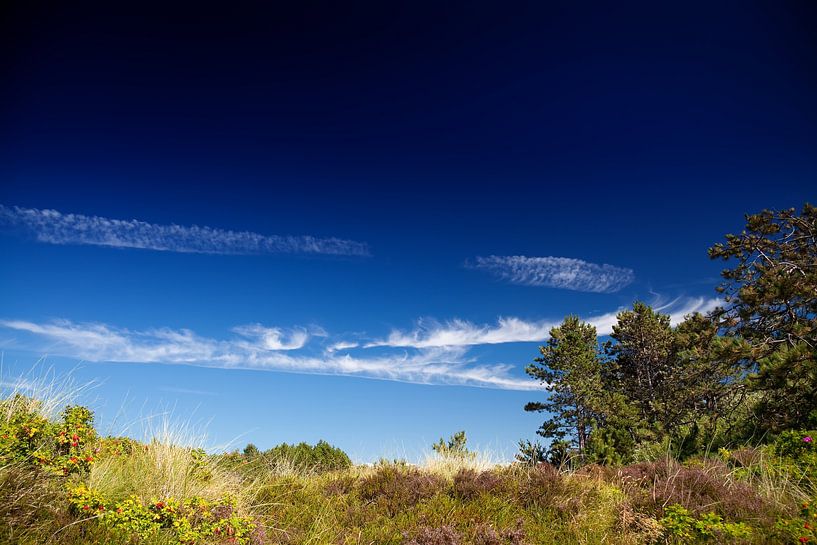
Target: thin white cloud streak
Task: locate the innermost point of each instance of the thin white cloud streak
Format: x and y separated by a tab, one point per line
439	350
556	272
53	227
274	338
430	333
342	345
103	343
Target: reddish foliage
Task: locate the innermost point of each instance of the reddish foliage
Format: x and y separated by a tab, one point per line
397	488
444	535
468	484
340	486
486	535
541	486
651	486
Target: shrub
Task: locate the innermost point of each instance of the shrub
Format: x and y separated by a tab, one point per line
798	448
188	522
682	527
454	448
444	535
116	446
645	527
320	457
487	535
802	529
468	484
61	447
540	486
395	488
340	485
744	457
797	444
531	453
651	486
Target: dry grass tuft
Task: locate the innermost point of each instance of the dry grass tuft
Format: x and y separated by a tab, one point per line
448	465
709	487
172	464
40	391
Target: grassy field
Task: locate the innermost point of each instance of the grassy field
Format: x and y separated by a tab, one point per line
60	483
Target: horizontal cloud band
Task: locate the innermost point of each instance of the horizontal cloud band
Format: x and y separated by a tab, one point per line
54	227
433	353
430	333
261	348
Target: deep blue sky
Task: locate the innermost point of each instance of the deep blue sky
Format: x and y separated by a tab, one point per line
632	135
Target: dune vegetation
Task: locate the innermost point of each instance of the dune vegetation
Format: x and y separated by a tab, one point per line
700	432
61	483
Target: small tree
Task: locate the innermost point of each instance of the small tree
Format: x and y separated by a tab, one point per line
531	453
251	451
570	368
455	447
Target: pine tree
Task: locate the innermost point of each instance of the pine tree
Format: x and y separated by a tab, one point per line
771	304
570	368
642	362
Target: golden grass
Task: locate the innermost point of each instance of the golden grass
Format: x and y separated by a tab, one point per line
167	466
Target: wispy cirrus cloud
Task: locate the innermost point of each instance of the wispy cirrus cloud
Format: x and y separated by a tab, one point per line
274	338
431	333
556	272
432	353
341	345
53	227
260	348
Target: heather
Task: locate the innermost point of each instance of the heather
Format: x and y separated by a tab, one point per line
92	489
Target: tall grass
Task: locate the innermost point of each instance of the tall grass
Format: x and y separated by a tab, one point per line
40	391
171	463
448	465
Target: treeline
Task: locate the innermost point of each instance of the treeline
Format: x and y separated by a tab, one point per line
741	374
319	457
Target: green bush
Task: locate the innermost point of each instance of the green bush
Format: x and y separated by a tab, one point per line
61	447
797	444
682	527
320	457
455	447
803	528
188	522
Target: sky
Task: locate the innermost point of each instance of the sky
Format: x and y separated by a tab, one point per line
358	221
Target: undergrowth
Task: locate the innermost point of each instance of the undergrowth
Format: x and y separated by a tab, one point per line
62	483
